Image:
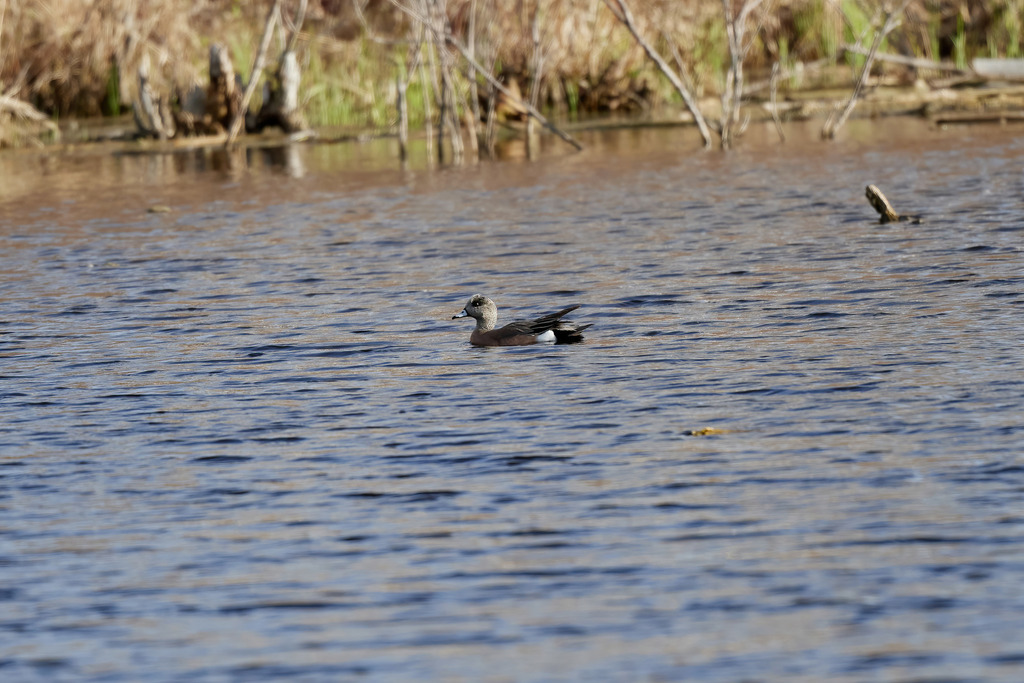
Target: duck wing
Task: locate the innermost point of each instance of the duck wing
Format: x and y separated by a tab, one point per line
526	331
543	323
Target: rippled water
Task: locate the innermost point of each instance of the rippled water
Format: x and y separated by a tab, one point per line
244	441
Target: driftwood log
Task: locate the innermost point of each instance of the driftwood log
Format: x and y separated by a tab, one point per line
886	214
281	98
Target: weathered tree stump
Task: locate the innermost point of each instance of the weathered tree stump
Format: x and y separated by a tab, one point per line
886	214
192	105
224	94
281	98
223	107
152	113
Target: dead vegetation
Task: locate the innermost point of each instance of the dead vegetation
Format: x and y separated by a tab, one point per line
76	58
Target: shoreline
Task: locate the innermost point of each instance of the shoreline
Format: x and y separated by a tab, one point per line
950	106
358	68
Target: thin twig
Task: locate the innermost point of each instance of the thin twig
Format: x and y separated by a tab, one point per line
3	14
775	106
489	137
525	105
448	80
732	96
368	32
474	97
403	117
449	107
254	77
536	64
684	73
451	40
427	110
300	17
402	79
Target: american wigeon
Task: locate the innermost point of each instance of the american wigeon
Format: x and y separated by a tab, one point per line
549	328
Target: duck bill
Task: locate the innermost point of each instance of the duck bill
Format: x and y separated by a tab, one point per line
460	314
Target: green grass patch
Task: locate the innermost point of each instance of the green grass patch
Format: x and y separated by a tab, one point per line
711	55
112	102
359	89
960	44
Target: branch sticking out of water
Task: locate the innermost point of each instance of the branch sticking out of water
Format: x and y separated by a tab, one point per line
449	39
620	8
776	69
526	105
834	123
739	45
886	214
254	77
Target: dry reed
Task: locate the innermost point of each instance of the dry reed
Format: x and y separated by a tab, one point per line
79	57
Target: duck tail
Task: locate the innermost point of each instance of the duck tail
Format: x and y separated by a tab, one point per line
569	334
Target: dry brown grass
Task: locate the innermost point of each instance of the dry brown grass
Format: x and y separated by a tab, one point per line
588	56
79	57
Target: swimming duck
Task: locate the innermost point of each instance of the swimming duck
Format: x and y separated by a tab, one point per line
548	328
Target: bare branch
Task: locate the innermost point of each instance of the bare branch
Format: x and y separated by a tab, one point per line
536	66
775	107
451	40
525	105
833	123
254	77
620	8
732	94
296	26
